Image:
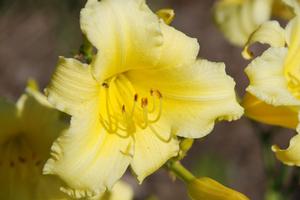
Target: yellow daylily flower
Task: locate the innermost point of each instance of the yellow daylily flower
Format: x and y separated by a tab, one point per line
237	19
274	79
208	189
142	90
27	131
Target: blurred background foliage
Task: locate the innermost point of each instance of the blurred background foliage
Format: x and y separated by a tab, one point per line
33	33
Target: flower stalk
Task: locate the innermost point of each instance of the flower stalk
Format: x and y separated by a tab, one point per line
180	171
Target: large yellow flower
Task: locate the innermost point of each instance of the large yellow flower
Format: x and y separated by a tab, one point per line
275	80
27	131
142	90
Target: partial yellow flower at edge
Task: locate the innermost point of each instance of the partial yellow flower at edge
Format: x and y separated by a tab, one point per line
237	19
27	130
275	78
208	189
266	113
289	156
128	106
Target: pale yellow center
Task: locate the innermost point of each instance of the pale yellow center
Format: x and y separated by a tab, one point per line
123	110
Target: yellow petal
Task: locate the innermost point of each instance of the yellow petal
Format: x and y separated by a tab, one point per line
88	158
268	33
72	86
291	155
292	62
193	97
238	19
267	81
9	122
153	147
274	115
208	189
180	53
120	191
126	34
166	14
39	121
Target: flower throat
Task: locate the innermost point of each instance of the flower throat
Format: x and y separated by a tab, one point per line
123	111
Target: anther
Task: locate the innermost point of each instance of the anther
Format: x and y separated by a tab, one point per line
123	109
105	85
144	102
155	93
136	97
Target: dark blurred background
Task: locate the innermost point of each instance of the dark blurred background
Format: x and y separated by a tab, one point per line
33	33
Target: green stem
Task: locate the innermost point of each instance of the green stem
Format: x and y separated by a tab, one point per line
180	171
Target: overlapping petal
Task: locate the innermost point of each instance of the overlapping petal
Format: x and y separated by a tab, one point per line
291	155
194	96
121	190
153	147
126	33
267	81
238	19
88	158
268	33
183	52
32	123
274	115
72	86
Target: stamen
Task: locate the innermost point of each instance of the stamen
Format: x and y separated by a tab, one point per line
121	115
144	102
159	136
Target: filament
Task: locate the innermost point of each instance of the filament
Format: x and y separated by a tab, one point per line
124	111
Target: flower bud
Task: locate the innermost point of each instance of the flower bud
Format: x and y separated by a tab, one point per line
208	189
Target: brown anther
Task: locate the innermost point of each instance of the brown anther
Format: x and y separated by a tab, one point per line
123	109
11	163
156	93
105	85
21	159
159	95
136	97
151	92
144	102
